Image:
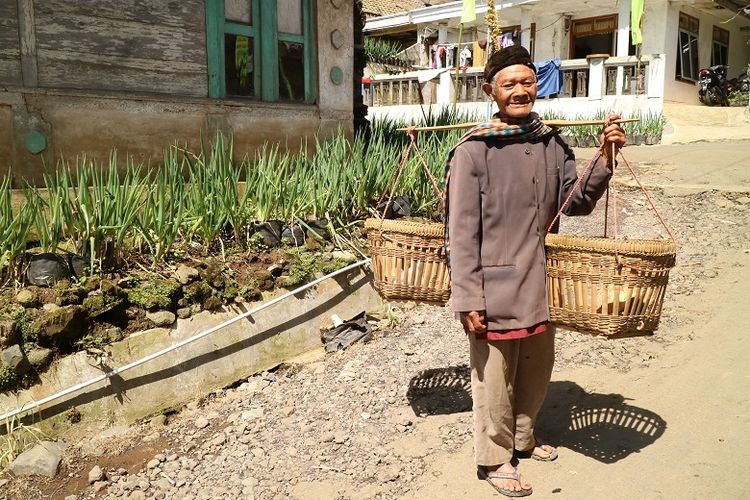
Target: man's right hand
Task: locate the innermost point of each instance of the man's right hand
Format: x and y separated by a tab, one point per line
474	321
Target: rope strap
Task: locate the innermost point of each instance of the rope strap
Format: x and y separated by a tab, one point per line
611	187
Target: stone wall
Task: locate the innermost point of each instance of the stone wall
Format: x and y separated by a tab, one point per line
257	343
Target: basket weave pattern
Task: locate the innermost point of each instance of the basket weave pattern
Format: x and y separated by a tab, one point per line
408	260
607	286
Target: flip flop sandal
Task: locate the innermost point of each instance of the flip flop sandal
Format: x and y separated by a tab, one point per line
513	476
542	456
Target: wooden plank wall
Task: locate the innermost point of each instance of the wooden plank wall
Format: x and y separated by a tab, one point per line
155	46
10	50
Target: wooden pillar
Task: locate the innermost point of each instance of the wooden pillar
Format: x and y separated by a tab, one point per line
27	35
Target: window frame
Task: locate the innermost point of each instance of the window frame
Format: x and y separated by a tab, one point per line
684	26
266	37
721	39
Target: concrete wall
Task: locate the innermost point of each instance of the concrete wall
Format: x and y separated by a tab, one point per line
94	120
551	42
77	123
249	346
336	101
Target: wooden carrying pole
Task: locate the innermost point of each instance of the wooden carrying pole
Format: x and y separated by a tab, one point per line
551	123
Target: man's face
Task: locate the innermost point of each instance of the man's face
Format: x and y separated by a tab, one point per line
514	90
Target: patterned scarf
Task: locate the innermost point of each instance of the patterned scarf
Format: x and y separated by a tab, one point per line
530	129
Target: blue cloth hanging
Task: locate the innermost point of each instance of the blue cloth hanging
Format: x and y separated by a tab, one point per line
549	78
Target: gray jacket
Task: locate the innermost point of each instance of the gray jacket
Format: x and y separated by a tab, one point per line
503	195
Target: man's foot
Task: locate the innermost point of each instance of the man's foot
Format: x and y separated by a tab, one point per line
541	452
507	480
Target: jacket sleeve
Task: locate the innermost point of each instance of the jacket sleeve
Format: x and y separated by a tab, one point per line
591	189
465	233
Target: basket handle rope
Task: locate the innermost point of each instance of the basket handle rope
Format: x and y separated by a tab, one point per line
390	190
586	172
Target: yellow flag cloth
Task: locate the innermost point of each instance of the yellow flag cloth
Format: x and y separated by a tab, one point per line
636	14
469	13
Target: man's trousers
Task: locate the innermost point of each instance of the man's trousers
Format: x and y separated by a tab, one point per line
509	380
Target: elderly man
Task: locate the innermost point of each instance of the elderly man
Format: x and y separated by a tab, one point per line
507	180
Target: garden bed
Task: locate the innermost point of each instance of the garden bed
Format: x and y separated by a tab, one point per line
41	323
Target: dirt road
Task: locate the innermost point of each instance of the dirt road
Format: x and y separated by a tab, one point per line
666	416
679	428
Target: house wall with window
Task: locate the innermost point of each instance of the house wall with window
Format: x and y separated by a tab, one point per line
86	77
679	85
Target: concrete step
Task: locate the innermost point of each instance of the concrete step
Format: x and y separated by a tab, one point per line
688	123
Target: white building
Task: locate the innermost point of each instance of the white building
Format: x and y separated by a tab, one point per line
592	38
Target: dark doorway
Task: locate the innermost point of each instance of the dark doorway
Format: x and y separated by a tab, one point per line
594	35
593	44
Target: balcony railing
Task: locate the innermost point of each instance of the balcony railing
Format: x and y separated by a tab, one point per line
398	90
634	75
575	76
591	78
470	85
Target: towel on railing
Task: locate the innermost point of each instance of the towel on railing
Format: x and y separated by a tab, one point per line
549	76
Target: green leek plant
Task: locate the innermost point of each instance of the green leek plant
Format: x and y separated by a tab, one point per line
163	209
105	207
14	230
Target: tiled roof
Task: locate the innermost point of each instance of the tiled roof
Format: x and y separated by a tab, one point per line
387	7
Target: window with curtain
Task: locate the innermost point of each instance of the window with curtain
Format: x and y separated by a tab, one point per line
260	49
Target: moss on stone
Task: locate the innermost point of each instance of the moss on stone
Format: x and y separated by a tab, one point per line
155	294
250	292
212	303
30	329
306	265
94	303
257	243
301	270
72	295
230	292
330	266
8	378
197	291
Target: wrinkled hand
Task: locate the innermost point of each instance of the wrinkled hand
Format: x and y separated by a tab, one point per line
474	321
612	133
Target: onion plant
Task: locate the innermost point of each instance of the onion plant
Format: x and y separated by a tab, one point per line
14	229
212	201
161	219
105	207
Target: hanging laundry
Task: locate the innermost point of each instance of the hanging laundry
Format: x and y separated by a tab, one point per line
506	40
465	56
449	50
441	57
549	78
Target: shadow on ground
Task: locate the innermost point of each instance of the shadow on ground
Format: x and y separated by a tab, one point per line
440	391
601	426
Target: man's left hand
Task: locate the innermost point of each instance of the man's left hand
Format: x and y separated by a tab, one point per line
611	134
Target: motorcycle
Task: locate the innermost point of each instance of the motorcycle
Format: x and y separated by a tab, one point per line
741	83
713	89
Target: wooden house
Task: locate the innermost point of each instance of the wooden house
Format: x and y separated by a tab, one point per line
137	75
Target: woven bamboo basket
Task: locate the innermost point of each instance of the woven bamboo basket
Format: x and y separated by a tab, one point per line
408	260
607	286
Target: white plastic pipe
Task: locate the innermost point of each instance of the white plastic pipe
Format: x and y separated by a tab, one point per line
32	405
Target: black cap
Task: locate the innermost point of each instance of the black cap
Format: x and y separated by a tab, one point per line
515	54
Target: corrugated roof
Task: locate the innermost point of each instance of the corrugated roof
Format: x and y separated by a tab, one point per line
387	7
